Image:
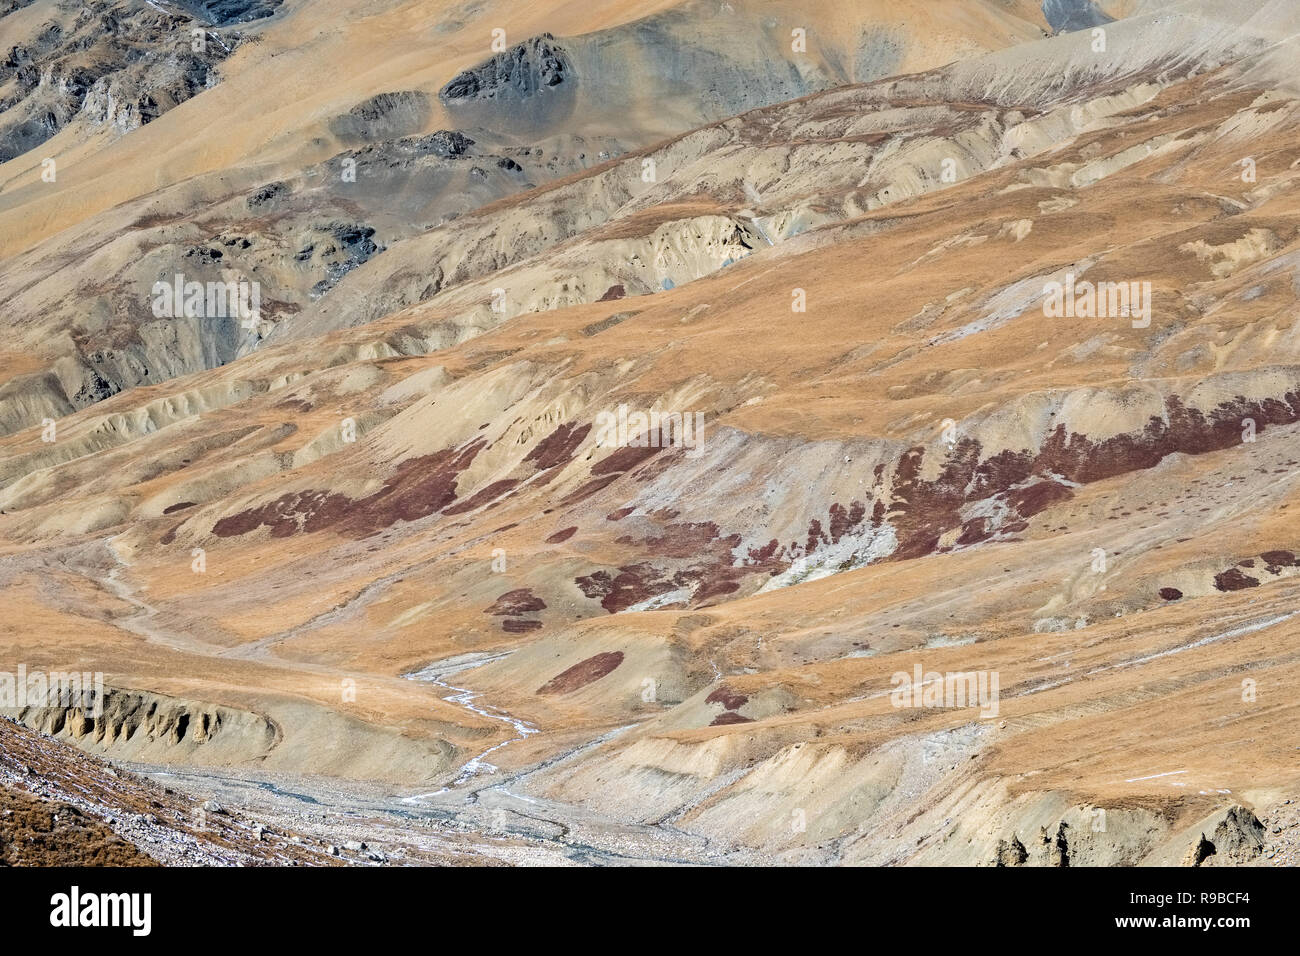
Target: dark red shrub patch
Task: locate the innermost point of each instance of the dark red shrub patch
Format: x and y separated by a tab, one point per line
582	673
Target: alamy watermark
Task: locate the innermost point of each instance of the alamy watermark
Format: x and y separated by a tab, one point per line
74	909
953	689
1087	300
232	299
653	429
62	689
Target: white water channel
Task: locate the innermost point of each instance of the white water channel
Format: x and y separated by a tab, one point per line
435	674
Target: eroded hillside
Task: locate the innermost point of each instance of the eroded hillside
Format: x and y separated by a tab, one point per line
404	529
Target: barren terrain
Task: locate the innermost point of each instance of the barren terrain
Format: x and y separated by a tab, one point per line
368	569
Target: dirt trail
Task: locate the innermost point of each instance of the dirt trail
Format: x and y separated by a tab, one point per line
142	622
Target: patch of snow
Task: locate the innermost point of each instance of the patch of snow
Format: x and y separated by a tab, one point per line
851	552
660	600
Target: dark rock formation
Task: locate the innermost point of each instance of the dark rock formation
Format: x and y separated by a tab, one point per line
536	64
224	12
384	116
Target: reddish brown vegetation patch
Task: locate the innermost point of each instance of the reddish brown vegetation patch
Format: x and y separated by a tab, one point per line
514	625
287	515
1183	429
690	539
564	534
1038	497
922	511
730	717
582	673
974	531
655	467
517	602
594	585
844	520
928	509
632	585
1171	594
1234	580
558	447
623	459
712	570
484	495
418	488
179	506
727	697
717	585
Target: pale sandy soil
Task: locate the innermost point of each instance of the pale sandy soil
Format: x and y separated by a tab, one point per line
280	560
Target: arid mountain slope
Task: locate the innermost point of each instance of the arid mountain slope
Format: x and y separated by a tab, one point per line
382	128
393	538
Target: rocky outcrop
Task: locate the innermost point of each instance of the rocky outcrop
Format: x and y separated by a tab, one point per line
384	116
1056	848
113	65
1238	838
225	12
148	726
1011	852
537	64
